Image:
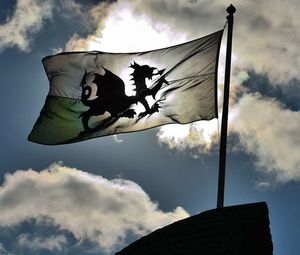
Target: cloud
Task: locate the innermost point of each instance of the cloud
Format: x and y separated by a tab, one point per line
52	243
266	38
196	138
89	206
3	250
27	18
259	35
119	29
271	133
263	30
117	139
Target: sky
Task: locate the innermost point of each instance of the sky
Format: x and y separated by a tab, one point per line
97	196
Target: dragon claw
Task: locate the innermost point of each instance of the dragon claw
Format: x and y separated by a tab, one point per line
129	113
142	114
153	109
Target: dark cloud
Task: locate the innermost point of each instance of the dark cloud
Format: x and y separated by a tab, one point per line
288	94
42	237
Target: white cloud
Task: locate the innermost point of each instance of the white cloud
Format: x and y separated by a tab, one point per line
52	243
266	34
56	50
262	185
117	139
27	18
119	29
88	206
3	250
196	138
270	133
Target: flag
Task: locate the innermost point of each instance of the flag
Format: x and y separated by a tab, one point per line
95	94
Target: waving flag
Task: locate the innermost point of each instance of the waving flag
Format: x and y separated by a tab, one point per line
95	94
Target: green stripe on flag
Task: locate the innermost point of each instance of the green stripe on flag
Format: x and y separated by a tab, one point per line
59	121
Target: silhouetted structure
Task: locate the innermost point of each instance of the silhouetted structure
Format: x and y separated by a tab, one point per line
234	230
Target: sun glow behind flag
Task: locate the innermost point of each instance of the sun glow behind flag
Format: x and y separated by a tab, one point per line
95	94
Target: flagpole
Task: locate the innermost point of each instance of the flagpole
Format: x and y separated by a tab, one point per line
223	140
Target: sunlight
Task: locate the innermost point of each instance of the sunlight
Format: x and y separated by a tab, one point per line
125	32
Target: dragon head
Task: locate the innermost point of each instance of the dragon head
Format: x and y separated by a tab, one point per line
142	71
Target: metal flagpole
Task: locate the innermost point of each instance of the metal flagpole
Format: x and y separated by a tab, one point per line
223	140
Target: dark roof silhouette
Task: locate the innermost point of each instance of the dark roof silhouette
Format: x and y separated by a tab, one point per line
234	230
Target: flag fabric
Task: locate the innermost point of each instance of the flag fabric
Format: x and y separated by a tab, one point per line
95	94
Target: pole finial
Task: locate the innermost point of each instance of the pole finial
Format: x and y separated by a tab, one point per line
231	9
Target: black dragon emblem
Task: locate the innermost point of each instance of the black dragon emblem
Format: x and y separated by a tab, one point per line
110	95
